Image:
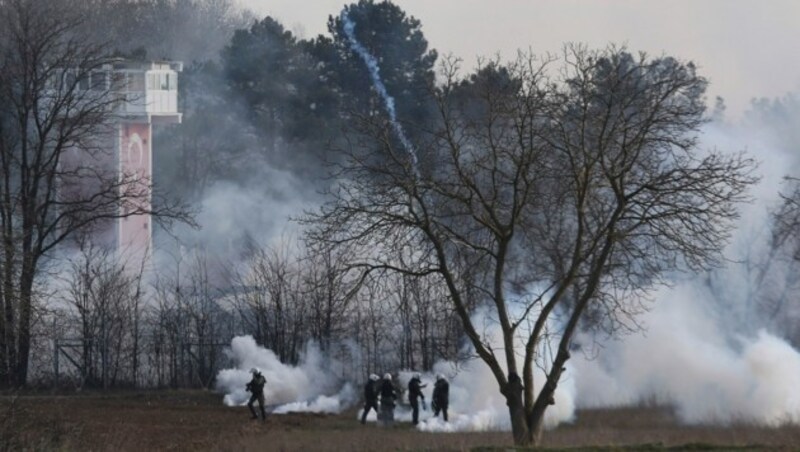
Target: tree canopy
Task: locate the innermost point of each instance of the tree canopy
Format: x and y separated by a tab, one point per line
554	196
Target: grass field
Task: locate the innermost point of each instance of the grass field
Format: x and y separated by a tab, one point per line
199	421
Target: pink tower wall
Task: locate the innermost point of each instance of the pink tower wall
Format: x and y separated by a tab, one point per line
135	157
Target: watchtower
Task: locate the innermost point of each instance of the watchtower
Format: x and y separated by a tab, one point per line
149	96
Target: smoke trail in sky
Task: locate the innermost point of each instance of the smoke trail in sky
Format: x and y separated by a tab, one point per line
374	72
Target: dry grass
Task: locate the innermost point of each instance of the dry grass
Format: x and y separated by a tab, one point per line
657	427
198	421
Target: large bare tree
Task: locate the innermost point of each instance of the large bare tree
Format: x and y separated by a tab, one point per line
555	193
56	111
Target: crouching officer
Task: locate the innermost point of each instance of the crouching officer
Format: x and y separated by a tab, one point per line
441	396
256	389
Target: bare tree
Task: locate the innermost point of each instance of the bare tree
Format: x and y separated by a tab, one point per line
329	289
166	323
98	294
50	108
205	329
777	278
268	298
543	194
187	326
787	220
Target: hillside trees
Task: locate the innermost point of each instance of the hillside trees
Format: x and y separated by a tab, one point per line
275	105
557	199
298	94
291	106
184	30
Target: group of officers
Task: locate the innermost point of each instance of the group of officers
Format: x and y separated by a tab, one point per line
374	389
385	389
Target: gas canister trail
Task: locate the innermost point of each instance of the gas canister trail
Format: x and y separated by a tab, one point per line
374	73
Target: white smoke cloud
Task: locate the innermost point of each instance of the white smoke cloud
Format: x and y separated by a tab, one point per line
322	404
685	360
707	352
697	355
230	211
476	403
309	386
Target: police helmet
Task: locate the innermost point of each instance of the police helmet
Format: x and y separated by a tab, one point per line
374	377
388	376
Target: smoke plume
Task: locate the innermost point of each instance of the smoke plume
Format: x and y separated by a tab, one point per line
476	403
309	386
708	350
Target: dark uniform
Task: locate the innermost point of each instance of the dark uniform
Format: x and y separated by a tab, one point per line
256	388
388	396
441	397
414	394
370	398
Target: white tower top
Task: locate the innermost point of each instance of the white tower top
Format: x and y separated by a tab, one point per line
149	90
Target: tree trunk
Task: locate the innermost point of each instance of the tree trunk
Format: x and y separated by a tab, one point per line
24	335
6	354
535	427
9	332
516	410
3	354
546	397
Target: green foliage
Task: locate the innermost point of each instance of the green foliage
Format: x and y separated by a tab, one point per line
406	64
286	102
283	92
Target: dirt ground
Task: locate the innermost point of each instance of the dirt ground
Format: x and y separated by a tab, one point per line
189	420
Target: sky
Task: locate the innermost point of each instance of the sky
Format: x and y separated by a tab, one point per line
746	48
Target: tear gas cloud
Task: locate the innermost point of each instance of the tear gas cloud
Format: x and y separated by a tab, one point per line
685	360
707	351
475	401
232	213
309	386
263	216
696	354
